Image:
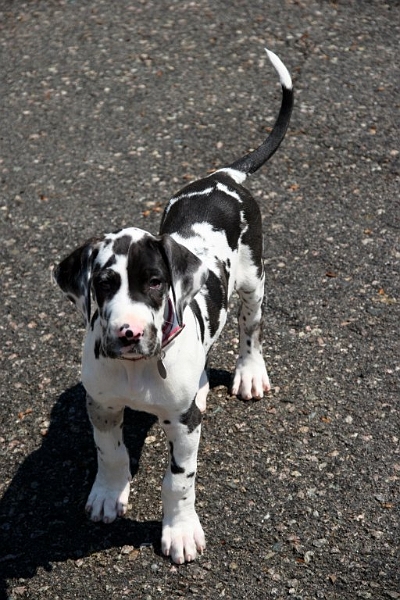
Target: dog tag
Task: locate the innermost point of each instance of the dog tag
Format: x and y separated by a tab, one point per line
161	368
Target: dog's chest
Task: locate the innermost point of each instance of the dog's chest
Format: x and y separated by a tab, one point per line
138	383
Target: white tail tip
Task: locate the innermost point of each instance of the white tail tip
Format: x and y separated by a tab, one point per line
284	75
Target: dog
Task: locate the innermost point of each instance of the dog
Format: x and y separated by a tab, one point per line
153	306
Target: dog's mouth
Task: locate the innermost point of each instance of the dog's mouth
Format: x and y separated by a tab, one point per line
133	353
145	348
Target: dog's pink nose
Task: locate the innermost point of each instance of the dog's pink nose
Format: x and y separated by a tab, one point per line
131	332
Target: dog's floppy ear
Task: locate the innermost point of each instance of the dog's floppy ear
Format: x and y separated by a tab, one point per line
188	273
74	275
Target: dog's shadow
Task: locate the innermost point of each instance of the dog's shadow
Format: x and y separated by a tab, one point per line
42	518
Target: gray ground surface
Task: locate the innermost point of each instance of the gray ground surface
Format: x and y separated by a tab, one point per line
107	109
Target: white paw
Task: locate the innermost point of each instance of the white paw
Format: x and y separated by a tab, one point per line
182	539
251	378
107	502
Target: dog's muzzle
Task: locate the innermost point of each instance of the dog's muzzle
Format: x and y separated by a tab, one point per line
132	341
131	344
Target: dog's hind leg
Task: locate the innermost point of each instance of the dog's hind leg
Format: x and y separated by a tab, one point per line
108	498
251	377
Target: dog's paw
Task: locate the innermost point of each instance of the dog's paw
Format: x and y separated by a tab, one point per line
107	502
182	539
251	378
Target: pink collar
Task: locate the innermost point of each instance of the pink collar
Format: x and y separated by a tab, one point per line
171	327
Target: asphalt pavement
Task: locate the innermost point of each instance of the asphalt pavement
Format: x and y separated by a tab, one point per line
107	109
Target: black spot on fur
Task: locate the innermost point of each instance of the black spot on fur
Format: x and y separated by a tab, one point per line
175	469
252	237
121	245
111	261
148	275
94	319
224	278
106	284
197	313
192	417
215	300
97	347
192	474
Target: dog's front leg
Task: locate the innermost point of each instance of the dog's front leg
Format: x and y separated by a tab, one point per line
108	498
182	534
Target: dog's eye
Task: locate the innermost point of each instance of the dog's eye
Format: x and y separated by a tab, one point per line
155	283
106	279
106	284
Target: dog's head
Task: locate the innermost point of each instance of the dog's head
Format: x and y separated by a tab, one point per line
129	275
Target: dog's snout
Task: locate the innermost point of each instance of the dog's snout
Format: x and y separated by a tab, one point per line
131	331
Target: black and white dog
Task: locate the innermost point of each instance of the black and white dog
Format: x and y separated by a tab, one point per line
160	302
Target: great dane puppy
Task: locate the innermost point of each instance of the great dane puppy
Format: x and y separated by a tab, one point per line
158	303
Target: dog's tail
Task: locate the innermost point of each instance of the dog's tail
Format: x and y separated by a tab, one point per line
254	160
